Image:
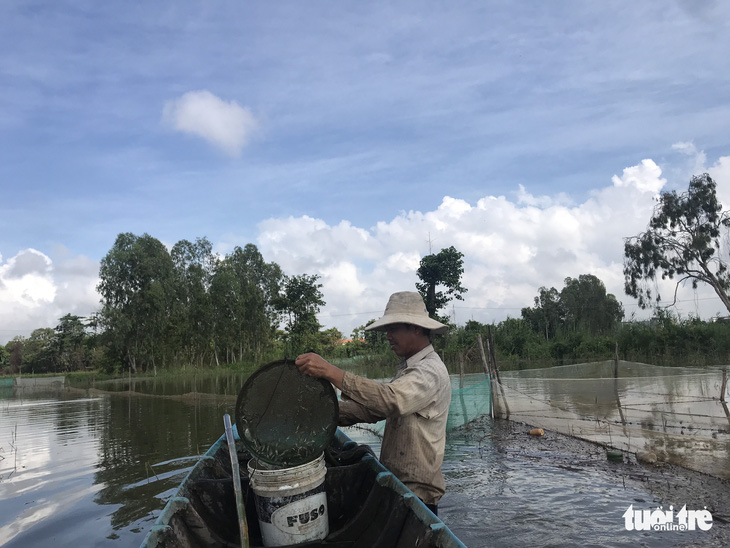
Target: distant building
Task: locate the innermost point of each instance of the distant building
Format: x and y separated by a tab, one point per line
343	342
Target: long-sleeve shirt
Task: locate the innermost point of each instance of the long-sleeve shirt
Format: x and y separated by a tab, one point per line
415	405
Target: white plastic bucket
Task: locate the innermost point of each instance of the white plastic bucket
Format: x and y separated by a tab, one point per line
291	503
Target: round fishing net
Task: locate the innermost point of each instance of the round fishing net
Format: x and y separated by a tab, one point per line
284	417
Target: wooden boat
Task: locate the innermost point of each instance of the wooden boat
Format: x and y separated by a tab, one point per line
367	505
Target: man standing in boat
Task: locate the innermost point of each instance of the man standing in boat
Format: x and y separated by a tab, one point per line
415	404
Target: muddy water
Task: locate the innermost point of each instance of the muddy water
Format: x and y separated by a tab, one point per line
677	413
506	488
84	467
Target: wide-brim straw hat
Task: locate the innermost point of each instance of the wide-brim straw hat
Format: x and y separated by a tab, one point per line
407	307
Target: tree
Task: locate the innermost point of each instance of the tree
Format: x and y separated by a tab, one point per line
38	351
443	269
374	341
329	340
582	305
514	336
588	307
137	295
300	302
15	347
68	343
242	293
548	315
192	323
683	241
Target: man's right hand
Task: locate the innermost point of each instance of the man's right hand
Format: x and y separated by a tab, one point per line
315	365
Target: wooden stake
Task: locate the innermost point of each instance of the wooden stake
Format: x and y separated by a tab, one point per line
485	364
493	360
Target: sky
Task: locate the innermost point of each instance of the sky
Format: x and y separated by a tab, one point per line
350	139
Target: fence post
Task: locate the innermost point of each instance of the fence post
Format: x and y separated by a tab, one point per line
724	385
493	361
485	364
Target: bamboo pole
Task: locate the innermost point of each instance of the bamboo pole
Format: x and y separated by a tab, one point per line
493	360
615	386
240	508
488	372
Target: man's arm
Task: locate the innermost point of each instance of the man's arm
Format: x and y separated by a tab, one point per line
350	412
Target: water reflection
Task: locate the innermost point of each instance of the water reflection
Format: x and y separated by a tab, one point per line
78	464
48	458
223	384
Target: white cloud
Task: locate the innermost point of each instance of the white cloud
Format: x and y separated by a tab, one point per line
226	125
510	249
524	197
645	177
35	292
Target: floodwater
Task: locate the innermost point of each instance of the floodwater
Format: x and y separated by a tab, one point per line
94	467
677	413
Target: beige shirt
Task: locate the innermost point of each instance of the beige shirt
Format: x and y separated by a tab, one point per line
415	405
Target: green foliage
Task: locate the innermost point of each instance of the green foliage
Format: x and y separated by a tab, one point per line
243	295
67	347
442	270
188	306
588	307
191	326
582	305
548	315
669	340
69	344
15	348
515	337
683	241
137	293
375	341
300	301
665	340
329	340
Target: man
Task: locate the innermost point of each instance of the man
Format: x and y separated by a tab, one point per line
415	403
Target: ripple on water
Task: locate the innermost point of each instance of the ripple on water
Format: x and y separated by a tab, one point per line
507	498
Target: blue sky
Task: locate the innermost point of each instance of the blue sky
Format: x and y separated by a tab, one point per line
340	137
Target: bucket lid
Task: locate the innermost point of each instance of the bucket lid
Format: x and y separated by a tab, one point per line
284	417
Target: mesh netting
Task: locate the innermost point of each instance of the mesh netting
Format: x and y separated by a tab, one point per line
676	413
470	398
284	417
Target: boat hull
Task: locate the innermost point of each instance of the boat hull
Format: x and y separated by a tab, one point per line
367	505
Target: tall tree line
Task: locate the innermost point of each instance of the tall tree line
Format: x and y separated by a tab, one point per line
191	306
67	347
582	305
